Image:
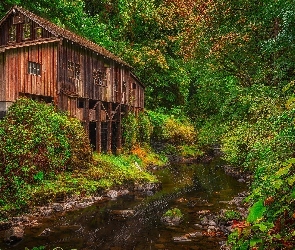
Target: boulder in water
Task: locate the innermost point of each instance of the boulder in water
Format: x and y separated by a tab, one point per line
14	235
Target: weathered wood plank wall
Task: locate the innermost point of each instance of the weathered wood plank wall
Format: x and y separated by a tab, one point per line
80	77
2	78
19	80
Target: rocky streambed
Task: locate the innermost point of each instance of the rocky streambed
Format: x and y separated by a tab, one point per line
12	231
131	217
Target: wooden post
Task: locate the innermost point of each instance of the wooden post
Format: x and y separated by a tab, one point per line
109	133
119	131
86	116
98	127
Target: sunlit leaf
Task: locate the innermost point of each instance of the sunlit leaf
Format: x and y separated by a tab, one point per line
253	242
256	211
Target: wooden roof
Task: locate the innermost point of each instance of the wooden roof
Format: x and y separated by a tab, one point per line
63	33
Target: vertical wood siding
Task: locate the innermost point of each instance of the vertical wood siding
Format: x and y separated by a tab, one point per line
2	78
69	76
4	31
18	78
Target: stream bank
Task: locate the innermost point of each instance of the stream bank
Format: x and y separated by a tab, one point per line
130	218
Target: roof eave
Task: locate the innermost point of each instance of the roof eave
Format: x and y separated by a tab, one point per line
137	79
7	14
60	32
71	36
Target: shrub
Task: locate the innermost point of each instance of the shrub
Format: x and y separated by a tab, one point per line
136	130
178	133
144	128
130	131
172	130
38	142
268	136
232	215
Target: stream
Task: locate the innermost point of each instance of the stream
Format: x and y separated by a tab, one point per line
133	221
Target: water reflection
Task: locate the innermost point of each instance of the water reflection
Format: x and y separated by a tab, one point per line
191	188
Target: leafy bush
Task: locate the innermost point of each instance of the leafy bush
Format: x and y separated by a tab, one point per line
177	136
148	157
36	248
37	143
144	128
172	130
178	133
270	223
136	130
269	139
130	131
157	120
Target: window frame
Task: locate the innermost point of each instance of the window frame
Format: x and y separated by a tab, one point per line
73	70
99	77
81	103
12	34
38	32
27	30
34	68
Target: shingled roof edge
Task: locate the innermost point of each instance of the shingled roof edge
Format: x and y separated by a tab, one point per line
64	33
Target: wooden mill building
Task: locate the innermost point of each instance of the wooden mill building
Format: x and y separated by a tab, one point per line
45	62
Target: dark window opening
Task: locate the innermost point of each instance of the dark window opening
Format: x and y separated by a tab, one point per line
73	70
134	85
92	134
81	103
39	98
27	30
92	104
34	68
47	99
99	77
38	32
2	114
114	107
12	34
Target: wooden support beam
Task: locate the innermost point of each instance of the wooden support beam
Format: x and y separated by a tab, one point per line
109	133
29	43
119	130
86	116
98	127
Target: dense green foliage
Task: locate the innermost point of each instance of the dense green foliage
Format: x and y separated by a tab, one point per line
45	154
37	248
175	133
176	136
136	130
229	66
38	143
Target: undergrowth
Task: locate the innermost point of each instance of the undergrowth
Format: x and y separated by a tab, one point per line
107	171
255	129
45	154
37	143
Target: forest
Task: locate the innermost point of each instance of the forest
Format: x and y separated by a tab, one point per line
226	68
